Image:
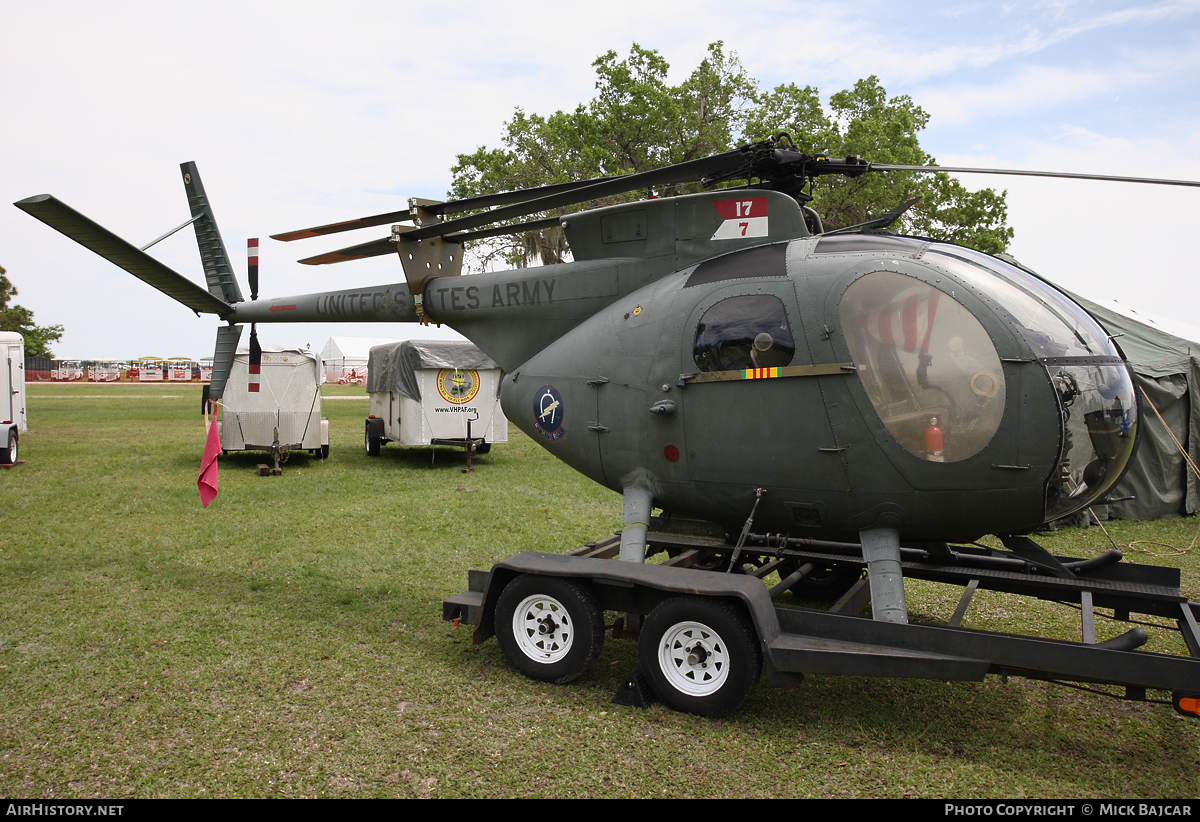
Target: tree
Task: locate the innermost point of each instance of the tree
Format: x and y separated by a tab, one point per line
864	122
20	319
637	121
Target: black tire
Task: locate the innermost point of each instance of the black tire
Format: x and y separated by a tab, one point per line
373	443
700	655
9	455
324	452
483	448
823	582
561	650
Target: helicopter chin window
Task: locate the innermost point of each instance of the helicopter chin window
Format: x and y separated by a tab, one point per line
928	366
750	331
1100	426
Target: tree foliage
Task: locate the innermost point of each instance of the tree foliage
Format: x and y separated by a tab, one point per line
20	319
637	121
864	122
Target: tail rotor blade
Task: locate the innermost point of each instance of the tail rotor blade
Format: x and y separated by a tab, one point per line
255	359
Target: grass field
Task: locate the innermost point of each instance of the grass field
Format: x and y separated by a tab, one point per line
288	641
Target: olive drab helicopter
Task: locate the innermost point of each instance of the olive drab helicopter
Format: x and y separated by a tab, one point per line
816	404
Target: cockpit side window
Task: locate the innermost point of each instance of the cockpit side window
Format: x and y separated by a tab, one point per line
750	331
930	369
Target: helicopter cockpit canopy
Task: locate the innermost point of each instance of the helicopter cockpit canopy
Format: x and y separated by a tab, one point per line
935	378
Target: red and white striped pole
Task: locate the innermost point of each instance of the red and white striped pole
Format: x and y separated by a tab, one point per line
255	349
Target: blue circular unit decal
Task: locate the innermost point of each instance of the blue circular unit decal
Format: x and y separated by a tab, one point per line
548	413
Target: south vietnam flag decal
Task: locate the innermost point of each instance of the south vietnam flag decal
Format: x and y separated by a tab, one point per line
746	217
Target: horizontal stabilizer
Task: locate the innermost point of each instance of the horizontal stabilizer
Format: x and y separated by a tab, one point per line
62	218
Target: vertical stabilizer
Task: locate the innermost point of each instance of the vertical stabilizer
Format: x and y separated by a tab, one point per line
218	271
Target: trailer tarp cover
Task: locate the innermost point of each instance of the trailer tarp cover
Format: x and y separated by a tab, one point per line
393	366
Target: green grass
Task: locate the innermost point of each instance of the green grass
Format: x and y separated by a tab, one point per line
288	642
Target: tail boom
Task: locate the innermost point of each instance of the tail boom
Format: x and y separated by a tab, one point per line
375	304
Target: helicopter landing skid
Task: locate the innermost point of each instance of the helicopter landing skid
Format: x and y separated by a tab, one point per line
798	640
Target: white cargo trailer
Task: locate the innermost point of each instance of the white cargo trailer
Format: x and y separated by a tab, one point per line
12	384
284	413
433	392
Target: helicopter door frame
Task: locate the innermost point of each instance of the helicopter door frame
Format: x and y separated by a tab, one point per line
767	406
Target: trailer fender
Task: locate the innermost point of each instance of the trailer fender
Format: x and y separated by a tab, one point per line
624	586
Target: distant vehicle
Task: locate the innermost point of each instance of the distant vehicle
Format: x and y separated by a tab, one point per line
104	371
66	370
12	394
150	369
179	369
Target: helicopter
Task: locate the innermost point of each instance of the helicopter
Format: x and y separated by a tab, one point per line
722	358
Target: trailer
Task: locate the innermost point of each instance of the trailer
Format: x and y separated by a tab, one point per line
104	371
150	369
433	392
12	385
67	371
705	622
179	369
278	409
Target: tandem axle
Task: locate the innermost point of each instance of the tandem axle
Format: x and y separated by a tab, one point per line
705	634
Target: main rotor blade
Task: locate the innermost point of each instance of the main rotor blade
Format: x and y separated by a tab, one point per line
687	172
346	225
1069	175
377	248
451	207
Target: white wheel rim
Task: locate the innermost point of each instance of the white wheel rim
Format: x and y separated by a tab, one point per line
543	629
693	658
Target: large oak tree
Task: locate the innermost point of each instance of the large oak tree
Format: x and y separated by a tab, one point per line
637	121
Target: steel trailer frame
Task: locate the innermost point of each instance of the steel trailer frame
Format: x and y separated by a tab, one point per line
798	640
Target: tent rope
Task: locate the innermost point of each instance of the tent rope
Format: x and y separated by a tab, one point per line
1187	457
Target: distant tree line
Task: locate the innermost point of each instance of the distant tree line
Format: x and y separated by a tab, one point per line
20	319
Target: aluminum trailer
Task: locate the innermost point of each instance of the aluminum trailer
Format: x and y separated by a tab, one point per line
704	634
12	395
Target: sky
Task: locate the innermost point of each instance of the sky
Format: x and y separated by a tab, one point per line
303	113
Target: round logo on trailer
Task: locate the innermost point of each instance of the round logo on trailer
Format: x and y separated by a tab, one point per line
457	386
548	413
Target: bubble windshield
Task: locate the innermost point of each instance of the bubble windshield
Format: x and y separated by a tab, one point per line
1094	388
927	364
1052	324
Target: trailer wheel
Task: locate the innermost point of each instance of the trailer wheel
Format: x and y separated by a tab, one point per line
700	655
550	629
483	448
373	443
9	455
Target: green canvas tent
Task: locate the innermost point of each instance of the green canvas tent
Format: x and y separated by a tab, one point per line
1165	357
